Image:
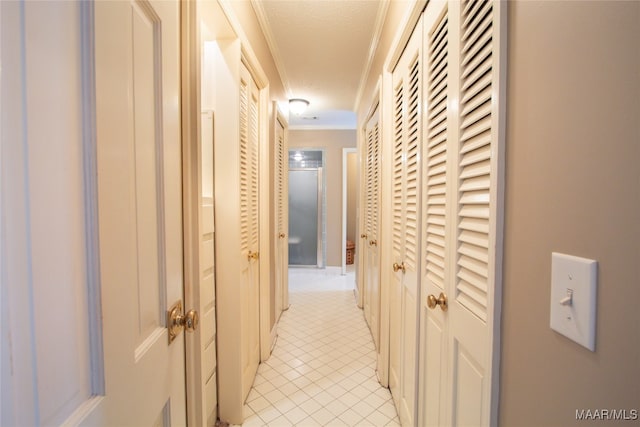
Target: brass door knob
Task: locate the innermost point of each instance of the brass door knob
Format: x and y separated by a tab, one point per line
253	255
177	321
397	267
282	235
432	302
373	243
363	236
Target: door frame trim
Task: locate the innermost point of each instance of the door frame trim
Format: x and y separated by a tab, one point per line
190	105
345	171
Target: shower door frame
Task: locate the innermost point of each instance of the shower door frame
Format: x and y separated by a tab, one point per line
319	255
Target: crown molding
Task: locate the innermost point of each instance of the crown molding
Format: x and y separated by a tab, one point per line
373	47
273	47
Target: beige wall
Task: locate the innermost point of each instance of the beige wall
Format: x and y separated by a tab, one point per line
573	186
396	11
332	141
251	27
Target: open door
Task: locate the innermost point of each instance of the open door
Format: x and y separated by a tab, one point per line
137	58
94	254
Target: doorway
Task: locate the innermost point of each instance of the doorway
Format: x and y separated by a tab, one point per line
306	208
349	206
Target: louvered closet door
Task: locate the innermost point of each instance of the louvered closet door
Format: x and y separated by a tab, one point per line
478	202
368	182
436	221
463	145
282	223
404	296
249	242
396	240
372	217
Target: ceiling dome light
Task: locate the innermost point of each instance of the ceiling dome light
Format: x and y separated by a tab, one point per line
297	106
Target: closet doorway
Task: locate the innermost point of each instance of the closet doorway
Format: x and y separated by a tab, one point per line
306	208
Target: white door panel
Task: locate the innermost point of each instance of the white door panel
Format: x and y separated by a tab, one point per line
432	378
140	201
373	278
51	336
395	343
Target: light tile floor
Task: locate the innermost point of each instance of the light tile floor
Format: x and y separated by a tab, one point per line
322	369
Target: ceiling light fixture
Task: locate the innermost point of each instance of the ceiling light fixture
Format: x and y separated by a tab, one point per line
297	106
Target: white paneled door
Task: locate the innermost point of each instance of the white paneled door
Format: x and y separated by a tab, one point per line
91	214
137	57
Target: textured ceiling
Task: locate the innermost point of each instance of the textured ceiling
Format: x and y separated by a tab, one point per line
321	49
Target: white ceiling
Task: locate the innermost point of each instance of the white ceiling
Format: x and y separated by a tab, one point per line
322	49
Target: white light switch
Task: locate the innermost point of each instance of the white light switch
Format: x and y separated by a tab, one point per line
573	298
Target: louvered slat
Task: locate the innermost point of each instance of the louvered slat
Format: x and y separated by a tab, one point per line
253	132
412	178
397	177
474	10
376	179
280	177
436	151
474	172
370	182
244	167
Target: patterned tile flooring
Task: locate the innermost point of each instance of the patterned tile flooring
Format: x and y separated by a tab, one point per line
322	369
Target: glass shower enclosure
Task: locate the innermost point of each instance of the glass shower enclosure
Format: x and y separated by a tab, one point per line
305	213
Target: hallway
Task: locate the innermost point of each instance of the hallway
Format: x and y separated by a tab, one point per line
322	369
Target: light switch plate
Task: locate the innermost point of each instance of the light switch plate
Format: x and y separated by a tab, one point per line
573	298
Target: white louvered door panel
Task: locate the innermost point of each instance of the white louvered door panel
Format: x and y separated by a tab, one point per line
244	168
436	237
462	201
407	83
374	251
372	213
368	211
249	218
397	233
282	225
477	203
410	289
474	170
